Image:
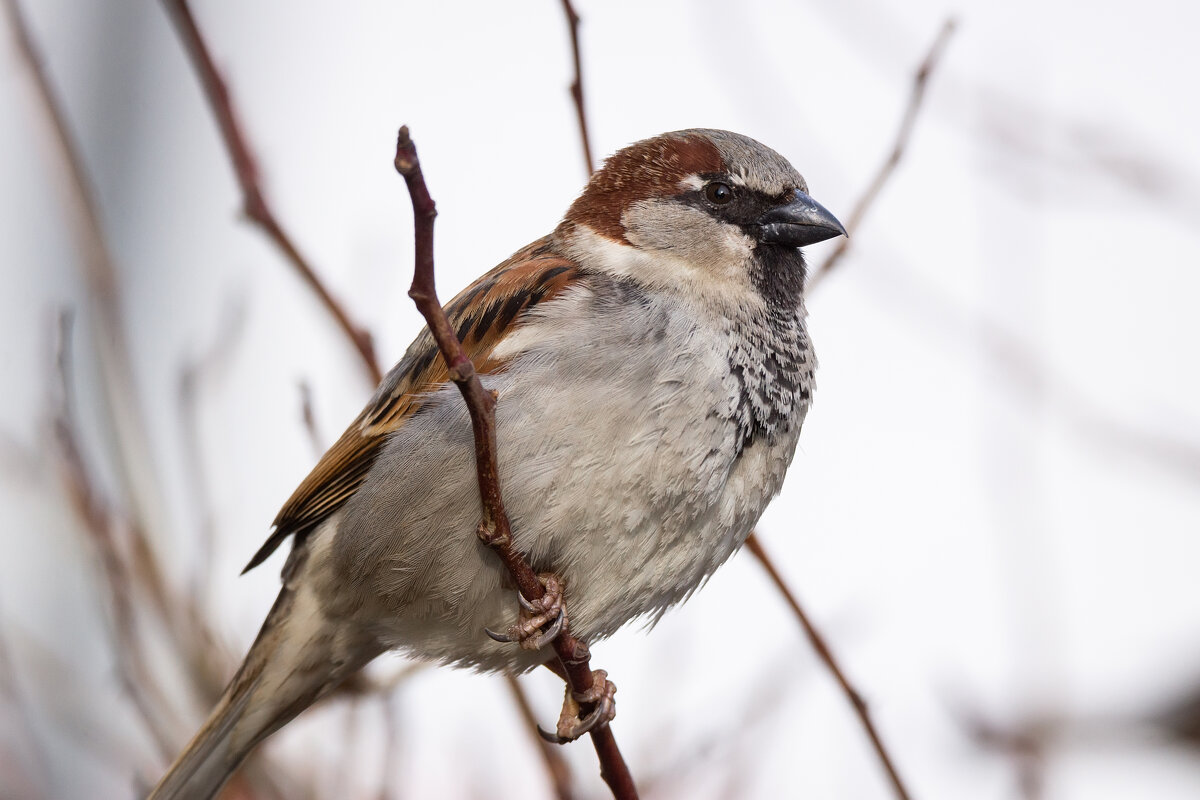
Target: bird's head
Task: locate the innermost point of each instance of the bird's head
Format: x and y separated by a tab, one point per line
704	208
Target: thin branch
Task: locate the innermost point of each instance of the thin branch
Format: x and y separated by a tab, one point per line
826	655
577	86
494	529
556	766
254	201
907	122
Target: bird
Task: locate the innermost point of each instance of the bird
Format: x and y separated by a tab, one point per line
652	369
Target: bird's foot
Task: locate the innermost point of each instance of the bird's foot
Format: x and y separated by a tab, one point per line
530	631
604	708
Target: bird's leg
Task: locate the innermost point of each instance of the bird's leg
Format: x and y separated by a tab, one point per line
599	696
528	632
549	609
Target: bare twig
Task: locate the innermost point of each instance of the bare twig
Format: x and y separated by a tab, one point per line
826	655
577	86
254	200
494	529
920	80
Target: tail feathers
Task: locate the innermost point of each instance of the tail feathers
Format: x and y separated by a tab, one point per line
210	758
298	657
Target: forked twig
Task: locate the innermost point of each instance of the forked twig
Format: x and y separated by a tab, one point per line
826	656
577	86
494	529
254	201
903	134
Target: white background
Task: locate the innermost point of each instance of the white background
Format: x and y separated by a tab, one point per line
995	511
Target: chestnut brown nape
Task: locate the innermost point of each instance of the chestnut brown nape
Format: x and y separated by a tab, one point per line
650	168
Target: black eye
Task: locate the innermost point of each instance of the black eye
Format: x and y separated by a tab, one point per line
718	193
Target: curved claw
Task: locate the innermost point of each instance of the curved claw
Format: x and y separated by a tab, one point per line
591	721
585	726
527	604
552	738
503	638
555	629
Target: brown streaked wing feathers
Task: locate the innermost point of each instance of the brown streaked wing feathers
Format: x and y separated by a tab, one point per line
482	314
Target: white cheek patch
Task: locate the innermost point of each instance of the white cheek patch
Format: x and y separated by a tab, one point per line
719	274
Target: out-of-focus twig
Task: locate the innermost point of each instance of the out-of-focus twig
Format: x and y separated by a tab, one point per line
557	767
12	697
254	201
103	527
494	529
129	564
191	378
135	468
577	85
903	135
826	656
729	745
1026	745
309	417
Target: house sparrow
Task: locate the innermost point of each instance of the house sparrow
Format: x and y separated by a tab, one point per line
653	371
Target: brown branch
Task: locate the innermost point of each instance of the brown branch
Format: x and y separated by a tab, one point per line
254	201
903	134
826	655
556	766
494	529
577	85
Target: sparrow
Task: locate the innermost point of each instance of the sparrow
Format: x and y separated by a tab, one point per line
653	371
